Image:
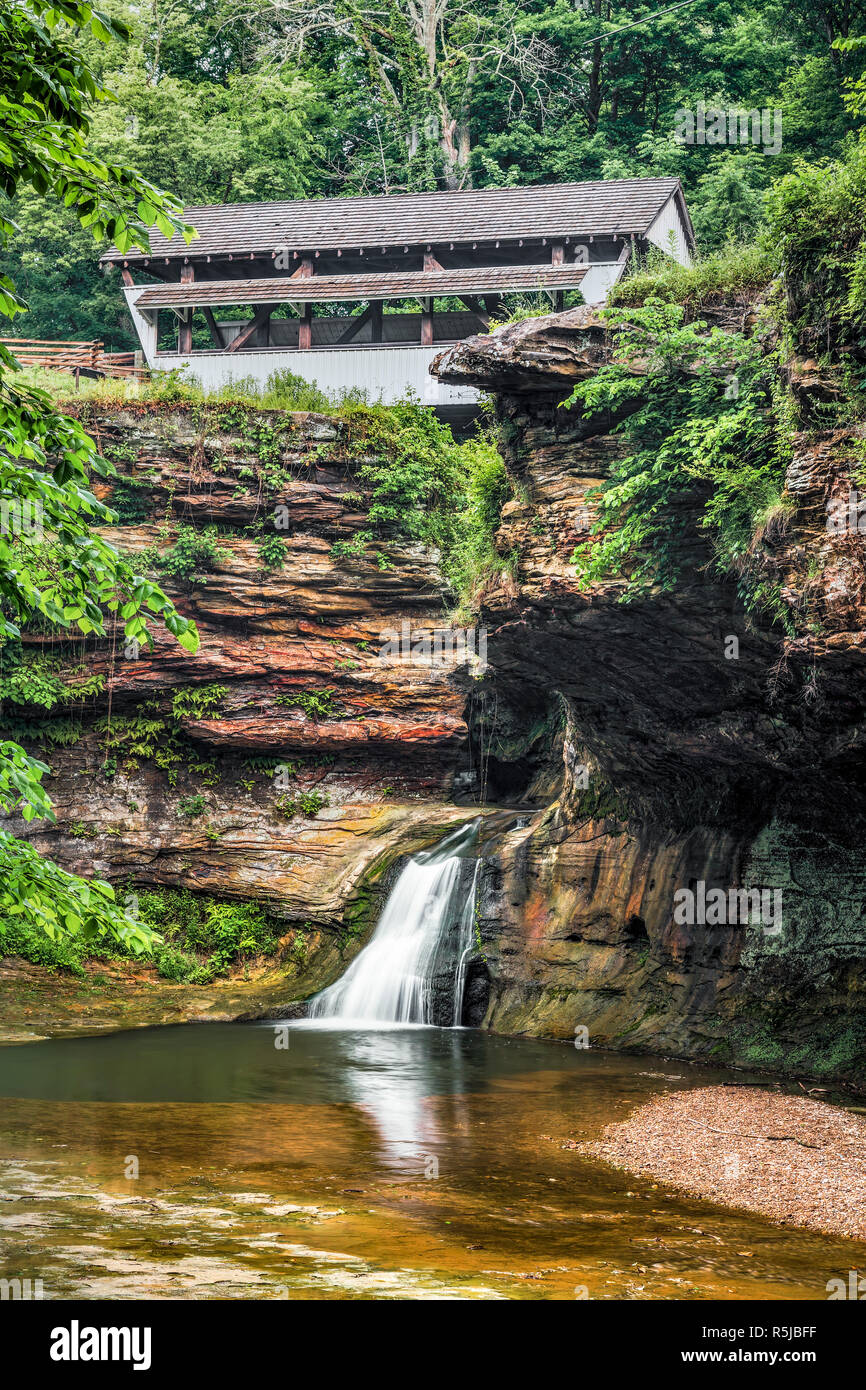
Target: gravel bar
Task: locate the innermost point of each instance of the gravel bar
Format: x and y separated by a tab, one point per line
796	1161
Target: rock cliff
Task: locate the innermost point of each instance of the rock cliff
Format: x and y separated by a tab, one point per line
686	758
618	752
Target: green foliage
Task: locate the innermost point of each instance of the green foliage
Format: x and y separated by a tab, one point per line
148	736
531	306
262	434
194	939
66	953
702	435
854	95
410	469
285	390
131	499
725	276
191	807
198	701
59	904
303	803
204	938
49	90
272	552
472	557
56	733
729	198
32	682
265	766
43	681
316	704
420	483
193	556
817	218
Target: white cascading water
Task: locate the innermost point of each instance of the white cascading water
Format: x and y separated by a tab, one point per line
426	923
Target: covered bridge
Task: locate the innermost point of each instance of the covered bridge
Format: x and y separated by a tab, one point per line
362	292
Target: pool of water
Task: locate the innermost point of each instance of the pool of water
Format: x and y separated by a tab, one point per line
265	1161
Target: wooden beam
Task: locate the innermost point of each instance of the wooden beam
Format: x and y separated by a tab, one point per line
431	263
184	332
557	254
261	316
376	320
126	277
358	321
427	322
473	304
215	331
305	271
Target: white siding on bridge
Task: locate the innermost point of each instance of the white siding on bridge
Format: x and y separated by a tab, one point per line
599	280
668	233
385	373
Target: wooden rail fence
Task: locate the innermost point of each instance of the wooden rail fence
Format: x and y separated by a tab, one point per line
88	359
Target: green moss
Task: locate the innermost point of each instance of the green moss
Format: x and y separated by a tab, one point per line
600	801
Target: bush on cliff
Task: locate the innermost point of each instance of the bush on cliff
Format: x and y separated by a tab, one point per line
817	222
47	461
702	432
473	557
196	938
732	273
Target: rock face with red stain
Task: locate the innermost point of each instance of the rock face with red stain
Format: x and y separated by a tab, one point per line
698	750
289	760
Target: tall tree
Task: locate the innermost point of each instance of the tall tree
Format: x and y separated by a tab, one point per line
425	60
59	571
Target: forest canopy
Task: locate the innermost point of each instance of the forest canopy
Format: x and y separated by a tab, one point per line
238	100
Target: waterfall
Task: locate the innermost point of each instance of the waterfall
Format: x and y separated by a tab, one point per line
422	943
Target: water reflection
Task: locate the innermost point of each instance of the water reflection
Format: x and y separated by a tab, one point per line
251	1062
394	1078
306	1166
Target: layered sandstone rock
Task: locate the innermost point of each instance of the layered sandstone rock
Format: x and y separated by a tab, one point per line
637	756
680	764
366	746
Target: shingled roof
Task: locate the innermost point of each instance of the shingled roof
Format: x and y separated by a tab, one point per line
605	208
321	288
